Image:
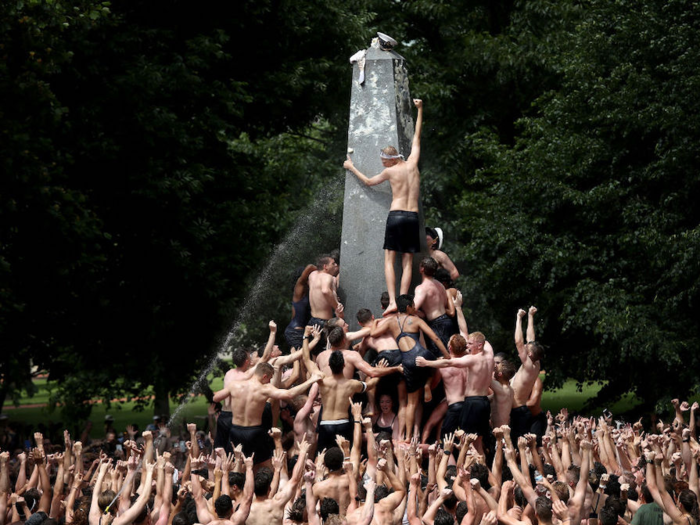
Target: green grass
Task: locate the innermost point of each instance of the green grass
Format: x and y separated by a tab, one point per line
195	409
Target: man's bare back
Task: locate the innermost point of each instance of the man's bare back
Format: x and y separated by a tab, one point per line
501	404
431	298
455	381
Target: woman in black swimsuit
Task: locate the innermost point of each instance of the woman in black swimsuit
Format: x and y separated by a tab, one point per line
407	330
386	421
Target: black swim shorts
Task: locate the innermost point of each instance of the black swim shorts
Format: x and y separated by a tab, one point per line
402	232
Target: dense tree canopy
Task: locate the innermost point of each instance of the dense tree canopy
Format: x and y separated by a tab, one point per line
154	156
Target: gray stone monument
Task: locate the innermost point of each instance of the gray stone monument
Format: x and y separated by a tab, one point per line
381	114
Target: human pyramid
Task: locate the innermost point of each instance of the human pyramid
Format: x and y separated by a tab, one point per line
410	419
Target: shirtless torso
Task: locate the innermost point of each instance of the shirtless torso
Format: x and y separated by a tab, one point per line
501	404
323	297
432	299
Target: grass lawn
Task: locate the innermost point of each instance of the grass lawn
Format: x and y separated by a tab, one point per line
195	409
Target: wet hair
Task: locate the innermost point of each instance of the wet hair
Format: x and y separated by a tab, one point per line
508	370
562	490
519	497
223	505
458	344
549	470
690	502
323	260
646	493
335	519
336	362
537	351
181	518
480	472
364	315
390	150
461	511
335	255
442	517
104	499
236	479
608	515
264	369
543	508
443	277
336	336
239	357
477	337
429	266
384	300
403	302
380	493
616	504
296	512
329	506
262	481
333	459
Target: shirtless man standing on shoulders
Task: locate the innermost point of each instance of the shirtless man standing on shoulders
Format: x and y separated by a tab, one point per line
402	226
502	401
530	354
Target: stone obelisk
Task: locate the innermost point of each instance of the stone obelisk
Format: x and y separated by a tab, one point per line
381	114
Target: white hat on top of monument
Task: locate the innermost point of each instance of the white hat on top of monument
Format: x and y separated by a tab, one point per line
386	42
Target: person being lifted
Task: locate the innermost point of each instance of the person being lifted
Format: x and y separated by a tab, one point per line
402	226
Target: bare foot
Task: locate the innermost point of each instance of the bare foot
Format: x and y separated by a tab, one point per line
391	309
427	393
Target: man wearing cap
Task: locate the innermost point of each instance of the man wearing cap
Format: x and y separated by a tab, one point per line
402	226
433	238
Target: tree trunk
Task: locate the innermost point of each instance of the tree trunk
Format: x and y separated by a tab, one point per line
161	403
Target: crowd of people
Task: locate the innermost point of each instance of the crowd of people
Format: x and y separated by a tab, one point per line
411	419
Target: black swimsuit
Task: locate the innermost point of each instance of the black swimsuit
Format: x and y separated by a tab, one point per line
415	376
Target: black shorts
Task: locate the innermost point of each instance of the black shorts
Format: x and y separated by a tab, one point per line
293	337
402	232
452	419
223	430
538	426
444	327
520	422
414	375
476	411
321	345
254	440
327	430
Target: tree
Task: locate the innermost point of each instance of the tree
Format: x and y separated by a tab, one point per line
591	213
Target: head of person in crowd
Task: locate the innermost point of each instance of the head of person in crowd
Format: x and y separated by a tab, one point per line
381	492
336	362
296	512
364	316
457	345
443	277
428	267
336	337
329	507
607	515
404	303
475	342
236	482
333	459
262	481
442	517
336	322
543	509
223	506
384	300
264	372
506	370
240	358
535	351
328	264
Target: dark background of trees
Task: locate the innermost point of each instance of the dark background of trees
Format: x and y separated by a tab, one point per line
155	154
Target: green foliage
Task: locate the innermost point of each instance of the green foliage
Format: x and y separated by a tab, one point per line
590	214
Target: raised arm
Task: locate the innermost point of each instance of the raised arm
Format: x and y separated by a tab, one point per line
278	393
519	342
241	514
415	146
531	324
461	321
270	342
